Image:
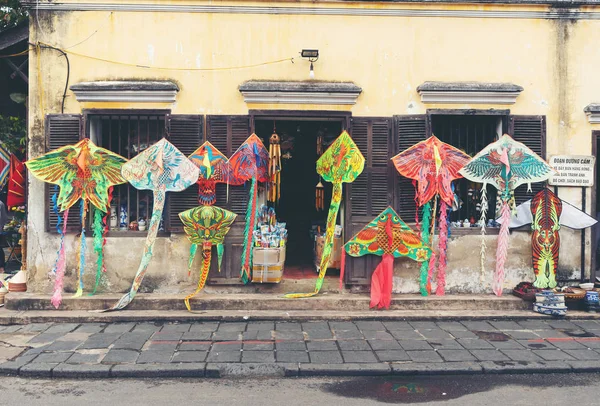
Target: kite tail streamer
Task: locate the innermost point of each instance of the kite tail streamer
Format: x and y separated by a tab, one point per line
60	266
245	273
82	248
159	204
220	250
441	270
59	229
336	198
206	254
502	250
342	268
193	249
424	287
381	283
482	220
98	228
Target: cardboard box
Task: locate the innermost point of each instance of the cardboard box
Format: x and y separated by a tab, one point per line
336	255
268	265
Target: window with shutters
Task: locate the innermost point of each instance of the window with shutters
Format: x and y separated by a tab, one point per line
128	135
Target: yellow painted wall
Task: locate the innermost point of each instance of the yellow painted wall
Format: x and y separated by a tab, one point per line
556	62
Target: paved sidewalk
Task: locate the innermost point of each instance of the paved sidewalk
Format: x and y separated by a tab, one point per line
215	349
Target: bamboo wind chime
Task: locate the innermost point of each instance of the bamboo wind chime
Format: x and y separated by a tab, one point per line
274	168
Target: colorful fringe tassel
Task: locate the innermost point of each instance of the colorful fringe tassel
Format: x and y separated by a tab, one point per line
206	256
502	250
381	283
443	245
82	248
246	271
424	285
483	220
99	240
61	263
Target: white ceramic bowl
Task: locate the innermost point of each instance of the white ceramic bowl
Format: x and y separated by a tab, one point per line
586	286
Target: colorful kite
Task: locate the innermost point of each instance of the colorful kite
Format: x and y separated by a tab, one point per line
205	225
249	162
505	164
434	165
387	236
16	183
547	213
342	162
161	168
81	171
214	168
4	166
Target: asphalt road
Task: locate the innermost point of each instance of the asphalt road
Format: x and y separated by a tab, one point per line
552	389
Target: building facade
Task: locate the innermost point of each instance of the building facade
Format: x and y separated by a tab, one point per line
391	73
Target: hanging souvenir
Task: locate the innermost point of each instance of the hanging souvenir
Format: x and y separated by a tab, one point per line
320	197
434	165
274	189
161	168
505	164
547	213
214	168
4	166
341	162
249	162
16	183
389	237
205	226
81	171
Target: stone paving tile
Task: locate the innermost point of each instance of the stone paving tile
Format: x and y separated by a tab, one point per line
451	326
45	338
52	357
589	342
79	371
196	336
377	335
437	334
261	325
536	344
288	326
358	356
224	356
456	355
474	344
505	325
424	325
587	324
258	356
409	345
37	369
370	326
146	327
195	346
36	350
507	345
167	336
63	328
384	345
348	334
478	326
567	344
522	335
87	358
321	346
189	356
290	346
74	336
533	324
424	356
91	328
258	346
551	334
232	327
227	346
176	327
397	325
319	334
288	335
521	355
392	355
563	324
155	357
354	345
132	341
226	335
315	325
33	327
10	329
161	345
63	346
407	335
489	355
342	326
252	335
586	354
463	334
119	327
121	357
207	326
326	357
446	344
292	356
553	355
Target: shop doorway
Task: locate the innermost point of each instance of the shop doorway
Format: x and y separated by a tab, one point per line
302	141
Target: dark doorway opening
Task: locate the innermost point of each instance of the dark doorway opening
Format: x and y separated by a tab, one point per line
299	179
595	272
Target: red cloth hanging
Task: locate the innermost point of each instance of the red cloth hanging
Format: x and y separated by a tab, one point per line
16	183
381	283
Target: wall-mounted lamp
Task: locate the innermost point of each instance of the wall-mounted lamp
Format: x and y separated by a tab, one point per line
313	56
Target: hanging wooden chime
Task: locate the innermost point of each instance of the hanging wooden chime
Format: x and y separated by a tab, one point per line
319	145
274	168
320	197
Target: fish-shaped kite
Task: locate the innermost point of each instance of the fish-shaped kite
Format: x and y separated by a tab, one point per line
547	213
387	236
161	168
206	226
505	164
341	162
249	162
434	165
83	172
214	168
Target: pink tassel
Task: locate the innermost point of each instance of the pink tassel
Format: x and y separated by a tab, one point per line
56	299
342	267
502	250
430	271
443	245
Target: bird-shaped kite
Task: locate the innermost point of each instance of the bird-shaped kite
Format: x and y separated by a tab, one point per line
547	213
249	162
341	162
505	164
434	165
205	225
81	171
214	168
161	168
387	236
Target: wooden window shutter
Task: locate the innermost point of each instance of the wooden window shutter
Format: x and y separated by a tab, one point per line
186	132
372	191
531	131
409	131
61	130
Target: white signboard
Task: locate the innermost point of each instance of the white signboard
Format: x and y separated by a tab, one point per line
573	170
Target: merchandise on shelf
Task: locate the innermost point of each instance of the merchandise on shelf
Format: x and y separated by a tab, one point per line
269	233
